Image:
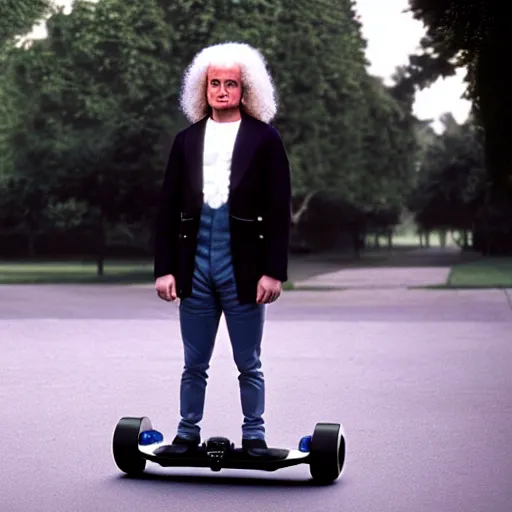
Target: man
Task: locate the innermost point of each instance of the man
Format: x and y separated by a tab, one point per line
223	226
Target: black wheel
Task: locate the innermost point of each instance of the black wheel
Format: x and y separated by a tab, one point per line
125	444
327	452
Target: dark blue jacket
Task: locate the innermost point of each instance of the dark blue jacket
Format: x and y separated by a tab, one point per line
259	205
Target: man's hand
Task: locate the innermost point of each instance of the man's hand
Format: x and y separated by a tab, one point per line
166	287
268	290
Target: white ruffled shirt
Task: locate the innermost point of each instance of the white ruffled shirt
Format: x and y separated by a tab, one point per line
219	142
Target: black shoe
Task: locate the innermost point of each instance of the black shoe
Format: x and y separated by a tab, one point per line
179	446
254	444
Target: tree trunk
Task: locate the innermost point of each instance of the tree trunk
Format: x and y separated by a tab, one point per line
493	111
100	248
442	237
31	243
465	243
302	209
31	232
491	92
356	242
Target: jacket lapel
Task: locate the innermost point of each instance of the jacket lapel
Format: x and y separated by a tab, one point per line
194	147
246	143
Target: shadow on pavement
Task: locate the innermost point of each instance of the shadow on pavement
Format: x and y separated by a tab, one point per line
237	480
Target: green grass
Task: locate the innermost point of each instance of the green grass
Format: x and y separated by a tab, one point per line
483	273
410	238
74	272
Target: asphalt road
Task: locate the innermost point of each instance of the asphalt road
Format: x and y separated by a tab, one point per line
421	381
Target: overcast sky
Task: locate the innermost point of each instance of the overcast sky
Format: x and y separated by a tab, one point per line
392	35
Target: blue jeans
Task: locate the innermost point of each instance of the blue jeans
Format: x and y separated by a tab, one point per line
214	293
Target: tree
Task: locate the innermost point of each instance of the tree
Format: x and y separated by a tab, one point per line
96	120
94	108
476	36
390	150
452	182
17	17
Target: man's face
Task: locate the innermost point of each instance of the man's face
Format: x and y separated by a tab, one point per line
224	90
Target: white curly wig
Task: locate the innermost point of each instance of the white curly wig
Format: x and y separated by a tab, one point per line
259	95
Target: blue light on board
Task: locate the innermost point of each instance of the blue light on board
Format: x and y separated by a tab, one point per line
150	437
305	444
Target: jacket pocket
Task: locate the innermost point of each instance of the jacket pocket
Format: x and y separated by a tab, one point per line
188	225
250	230
242	219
